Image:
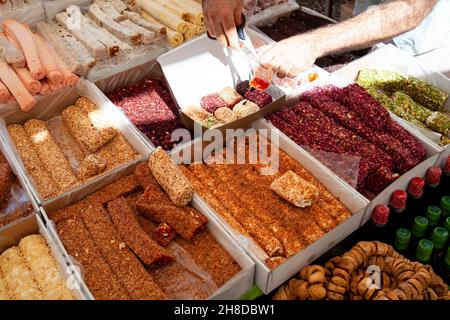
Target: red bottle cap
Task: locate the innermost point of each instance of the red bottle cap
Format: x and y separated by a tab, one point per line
415	187
447	166
380	215
398	200
433	176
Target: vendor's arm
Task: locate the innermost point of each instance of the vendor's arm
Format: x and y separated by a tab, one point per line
294	55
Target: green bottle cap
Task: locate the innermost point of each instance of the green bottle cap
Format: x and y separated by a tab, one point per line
439	237
402	238
447	224
433	215
424	251
447	257
419	227
445	206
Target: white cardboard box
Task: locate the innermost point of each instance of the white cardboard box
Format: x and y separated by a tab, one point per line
203	66
268	280
232	290
13	233
45	110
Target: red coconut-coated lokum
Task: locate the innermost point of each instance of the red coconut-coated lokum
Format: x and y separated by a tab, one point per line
261	98
149	106
349	119
212	102
143	104
360	101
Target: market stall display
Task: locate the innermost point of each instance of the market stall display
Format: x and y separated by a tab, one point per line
409	98
69	148
349	121
134	242
14	200
347	277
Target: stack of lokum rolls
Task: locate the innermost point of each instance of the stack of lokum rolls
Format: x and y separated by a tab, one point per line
139	238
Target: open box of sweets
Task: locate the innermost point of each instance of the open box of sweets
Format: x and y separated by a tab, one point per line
70	143
278	236
133	242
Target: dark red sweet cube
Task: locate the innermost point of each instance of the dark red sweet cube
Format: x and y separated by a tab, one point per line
261	98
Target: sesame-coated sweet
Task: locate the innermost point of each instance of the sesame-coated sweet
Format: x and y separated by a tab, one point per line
168	175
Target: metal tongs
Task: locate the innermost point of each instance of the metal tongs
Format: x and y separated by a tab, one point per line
260	77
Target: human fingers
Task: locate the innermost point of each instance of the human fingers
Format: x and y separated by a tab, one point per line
219	33
231	34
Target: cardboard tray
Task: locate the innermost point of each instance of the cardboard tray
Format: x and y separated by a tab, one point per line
268	280
20	179
45	110
33	224
391	58
203	66
232	290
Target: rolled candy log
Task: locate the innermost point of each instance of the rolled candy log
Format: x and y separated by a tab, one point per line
127	224
186	221
170	178
295	189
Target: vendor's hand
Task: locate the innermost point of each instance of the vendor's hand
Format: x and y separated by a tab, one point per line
290	57
221	19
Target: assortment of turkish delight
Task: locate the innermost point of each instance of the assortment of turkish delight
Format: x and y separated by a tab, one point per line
298	22
287	221
134	242
349	121
151	108
228	105
409	98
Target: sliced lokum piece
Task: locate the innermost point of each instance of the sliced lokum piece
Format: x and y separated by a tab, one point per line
295	189
226	115
405	102
212	102
439	122
426	94
230	96
261	98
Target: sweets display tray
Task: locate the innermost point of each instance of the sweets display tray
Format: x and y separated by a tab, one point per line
44	110
268	280
33	224
391	58
232	290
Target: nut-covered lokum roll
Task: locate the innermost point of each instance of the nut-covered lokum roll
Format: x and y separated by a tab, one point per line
116	152
166	172
50	154
439	122
295	189
388	80
45	268
18	277
429	96
90	166
44	183
186	221
402	100
98	275
88	128
125	265
125	220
